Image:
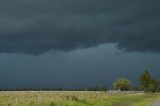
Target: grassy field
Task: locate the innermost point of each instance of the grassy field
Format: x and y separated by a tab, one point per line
71	98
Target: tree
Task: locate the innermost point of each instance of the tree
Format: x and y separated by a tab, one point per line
155	85
145	78
122	84
148	84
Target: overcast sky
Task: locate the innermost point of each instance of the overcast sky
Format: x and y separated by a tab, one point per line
77	43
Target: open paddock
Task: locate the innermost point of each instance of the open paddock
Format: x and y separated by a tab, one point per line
75	98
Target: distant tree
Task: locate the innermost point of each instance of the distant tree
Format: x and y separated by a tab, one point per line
155	85
145	80
122	84
148	84
100	88
158	85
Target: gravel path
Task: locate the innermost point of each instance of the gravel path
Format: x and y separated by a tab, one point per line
157	103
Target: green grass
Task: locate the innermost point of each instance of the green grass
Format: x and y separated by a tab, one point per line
74	99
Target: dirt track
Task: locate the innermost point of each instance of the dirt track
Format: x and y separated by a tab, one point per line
156	103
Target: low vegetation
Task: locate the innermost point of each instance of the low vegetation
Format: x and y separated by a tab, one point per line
75	98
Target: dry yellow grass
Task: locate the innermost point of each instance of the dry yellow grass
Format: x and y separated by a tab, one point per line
71	98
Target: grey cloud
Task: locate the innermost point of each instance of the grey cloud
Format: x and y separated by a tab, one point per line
38	26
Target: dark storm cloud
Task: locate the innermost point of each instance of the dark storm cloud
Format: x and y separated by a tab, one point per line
38	26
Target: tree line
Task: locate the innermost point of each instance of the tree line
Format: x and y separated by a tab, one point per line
147	83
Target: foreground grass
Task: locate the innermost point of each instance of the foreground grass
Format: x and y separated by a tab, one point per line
74	99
